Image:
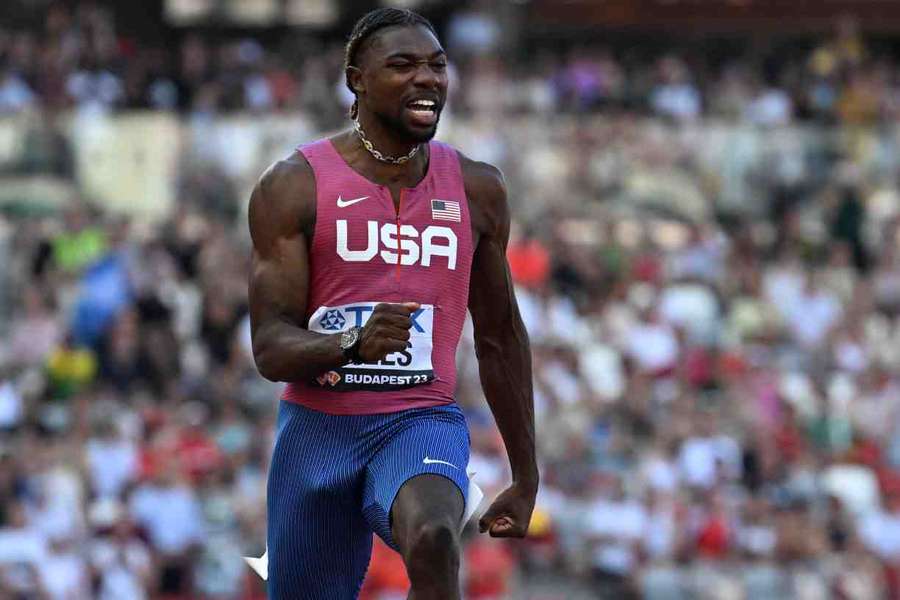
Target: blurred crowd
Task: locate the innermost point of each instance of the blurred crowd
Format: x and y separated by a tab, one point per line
136	431
706	261
77	58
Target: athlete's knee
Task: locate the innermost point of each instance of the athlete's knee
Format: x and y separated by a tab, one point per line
434	540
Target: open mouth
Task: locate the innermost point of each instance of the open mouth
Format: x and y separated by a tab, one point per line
423	112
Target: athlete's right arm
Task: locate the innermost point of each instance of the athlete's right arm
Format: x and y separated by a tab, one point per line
282	217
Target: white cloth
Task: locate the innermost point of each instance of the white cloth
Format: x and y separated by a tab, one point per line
855	485
880	533
693	307
18	545
699	457
11	406
678	100
112	465
620	524
63	575
601	367
172	516
653	345
122	566
811	317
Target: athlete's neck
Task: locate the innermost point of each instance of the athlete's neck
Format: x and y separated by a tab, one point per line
409	174
384	140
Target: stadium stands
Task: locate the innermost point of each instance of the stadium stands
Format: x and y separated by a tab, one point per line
705	249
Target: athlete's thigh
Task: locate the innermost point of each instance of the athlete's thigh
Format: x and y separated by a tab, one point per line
424	441
319	544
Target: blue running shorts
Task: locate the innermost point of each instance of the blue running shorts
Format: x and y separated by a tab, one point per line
332	481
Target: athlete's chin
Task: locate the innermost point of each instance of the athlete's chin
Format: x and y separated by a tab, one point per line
420	133
420	136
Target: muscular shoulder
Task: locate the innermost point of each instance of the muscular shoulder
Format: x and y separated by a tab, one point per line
292	170
486	191
283	202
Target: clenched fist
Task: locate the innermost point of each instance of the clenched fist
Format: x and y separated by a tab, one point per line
510	514
386	331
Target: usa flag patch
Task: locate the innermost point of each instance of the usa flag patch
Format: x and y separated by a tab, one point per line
445	210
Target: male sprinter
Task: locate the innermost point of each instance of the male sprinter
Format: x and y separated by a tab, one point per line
363	249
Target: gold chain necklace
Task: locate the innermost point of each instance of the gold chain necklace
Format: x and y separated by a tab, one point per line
378	155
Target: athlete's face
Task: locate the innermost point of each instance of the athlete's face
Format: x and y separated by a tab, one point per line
403	80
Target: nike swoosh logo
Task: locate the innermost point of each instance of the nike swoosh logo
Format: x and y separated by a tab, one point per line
431	461
345	203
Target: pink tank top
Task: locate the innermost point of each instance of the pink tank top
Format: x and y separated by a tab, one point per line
364	252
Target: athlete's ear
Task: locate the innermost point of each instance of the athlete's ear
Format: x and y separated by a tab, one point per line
355	79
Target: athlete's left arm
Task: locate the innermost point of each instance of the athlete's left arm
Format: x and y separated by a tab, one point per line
502	348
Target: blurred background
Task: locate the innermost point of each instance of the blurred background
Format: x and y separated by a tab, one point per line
705	248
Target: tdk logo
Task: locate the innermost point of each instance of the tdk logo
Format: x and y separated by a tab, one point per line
332	320
434	241
360	314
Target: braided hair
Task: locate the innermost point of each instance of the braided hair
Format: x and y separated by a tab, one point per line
369	24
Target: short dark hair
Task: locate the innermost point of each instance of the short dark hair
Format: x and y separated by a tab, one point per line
370	23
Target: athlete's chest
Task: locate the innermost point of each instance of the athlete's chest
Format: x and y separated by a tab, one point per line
427	227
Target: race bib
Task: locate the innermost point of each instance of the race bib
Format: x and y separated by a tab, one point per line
396	371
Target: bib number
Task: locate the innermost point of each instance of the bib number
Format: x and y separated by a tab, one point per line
395	371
